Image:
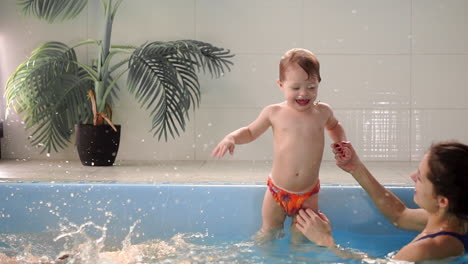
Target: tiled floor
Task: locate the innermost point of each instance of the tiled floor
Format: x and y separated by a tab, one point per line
216	171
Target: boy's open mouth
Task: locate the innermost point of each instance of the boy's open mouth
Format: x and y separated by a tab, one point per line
302	102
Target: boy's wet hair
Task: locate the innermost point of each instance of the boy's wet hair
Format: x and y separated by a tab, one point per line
448	172
304	58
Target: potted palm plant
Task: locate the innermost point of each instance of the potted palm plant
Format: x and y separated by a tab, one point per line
55	91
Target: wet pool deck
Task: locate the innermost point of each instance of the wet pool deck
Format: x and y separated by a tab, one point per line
213	171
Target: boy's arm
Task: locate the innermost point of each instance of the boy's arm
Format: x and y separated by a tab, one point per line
336	132
334	127
244	135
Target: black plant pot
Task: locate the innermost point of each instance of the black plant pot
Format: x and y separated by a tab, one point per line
97	145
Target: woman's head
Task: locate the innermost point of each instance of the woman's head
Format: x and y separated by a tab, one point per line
448	172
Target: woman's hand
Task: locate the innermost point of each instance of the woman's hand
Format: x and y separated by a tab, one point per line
345	156
315	226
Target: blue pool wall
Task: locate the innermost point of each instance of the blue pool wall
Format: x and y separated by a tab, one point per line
225	211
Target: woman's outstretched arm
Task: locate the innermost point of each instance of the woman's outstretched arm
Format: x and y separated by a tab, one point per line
386	202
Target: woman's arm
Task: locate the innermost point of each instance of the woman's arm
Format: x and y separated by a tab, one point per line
386	202
317	228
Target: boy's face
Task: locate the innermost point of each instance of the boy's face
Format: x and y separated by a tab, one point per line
299	91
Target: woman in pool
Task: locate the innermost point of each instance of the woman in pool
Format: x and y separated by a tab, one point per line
441	192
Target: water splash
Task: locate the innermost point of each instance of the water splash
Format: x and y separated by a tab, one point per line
127	242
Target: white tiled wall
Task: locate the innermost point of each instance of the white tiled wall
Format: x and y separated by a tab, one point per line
394	71
357	26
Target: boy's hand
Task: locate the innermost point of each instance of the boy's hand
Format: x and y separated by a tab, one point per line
345	156
226	144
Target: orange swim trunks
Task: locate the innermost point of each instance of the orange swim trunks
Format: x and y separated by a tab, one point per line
291	202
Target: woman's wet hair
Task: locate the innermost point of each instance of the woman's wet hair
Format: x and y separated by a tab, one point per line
448	172
304	58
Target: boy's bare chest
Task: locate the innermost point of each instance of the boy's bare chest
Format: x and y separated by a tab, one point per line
299	124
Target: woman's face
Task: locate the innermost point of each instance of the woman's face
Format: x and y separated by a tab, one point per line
424	194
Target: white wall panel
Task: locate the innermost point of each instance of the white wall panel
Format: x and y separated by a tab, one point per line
439	26
393	71
362	26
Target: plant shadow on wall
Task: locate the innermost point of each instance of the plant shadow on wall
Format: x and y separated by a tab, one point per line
55	91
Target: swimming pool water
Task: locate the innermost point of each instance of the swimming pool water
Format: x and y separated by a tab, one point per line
165	223
201	248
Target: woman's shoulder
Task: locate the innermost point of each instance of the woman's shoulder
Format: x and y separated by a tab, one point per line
438	247
443	246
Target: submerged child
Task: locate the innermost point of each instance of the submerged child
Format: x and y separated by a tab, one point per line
298	126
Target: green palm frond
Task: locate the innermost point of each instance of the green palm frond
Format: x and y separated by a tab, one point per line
31	78
163	78
52	10
50	90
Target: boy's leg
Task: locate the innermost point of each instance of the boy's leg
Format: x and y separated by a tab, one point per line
296	236
273	219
